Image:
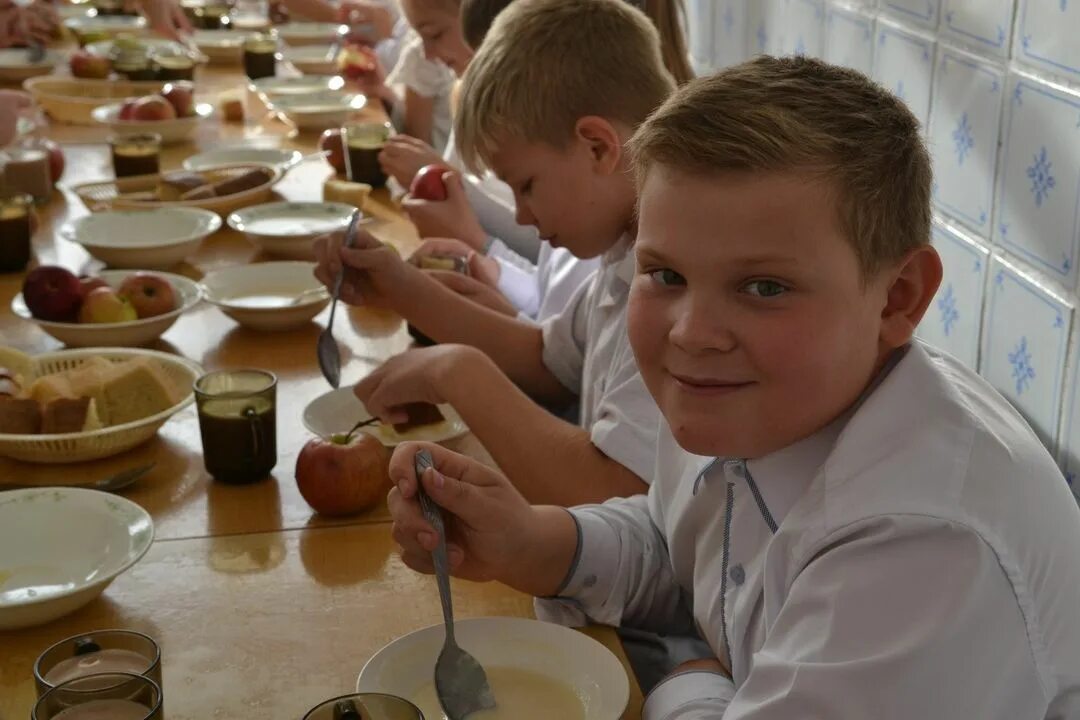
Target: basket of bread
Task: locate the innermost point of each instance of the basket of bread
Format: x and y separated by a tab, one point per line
221	189
77	405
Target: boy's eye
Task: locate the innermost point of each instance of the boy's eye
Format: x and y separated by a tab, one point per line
667	277
765	288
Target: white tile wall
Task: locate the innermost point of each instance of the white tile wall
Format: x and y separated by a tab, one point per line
996	84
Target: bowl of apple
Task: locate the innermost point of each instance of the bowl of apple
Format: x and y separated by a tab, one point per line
173	113
116	308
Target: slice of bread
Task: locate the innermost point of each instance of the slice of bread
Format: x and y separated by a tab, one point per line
135	389
64	415
20	416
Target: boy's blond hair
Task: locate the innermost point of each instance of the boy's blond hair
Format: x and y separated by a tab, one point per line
783	114
545	64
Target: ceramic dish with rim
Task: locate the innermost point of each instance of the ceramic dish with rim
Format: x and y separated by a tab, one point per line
274	157
109	25
107	441
565	659
275	87
311	59
338	410
319	111
61	547
153	239
152	44
15	65
267	296
221	45
288	229
171	131
310	33
122	334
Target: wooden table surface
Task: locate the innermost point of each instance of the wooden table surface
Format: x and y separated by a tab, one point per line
262	608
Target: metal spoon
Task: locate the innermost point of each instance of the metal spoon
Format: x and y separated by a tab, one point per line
460	680
326	348
113	483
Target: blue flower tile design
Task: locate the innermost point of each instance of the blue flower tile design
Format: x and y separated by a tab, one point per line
849	39
1042	181
984	25
903	63
947	307
1022	370
954	321
923	12
963	140
1047	33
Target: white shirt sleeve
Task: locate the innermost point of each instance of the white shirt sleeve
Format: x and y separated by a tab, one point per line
520	287
895	618
424	77
564	340
624	426
691	695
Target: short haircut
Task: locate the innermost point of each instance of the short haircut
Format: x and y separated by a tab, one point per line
477	17
546	64
801	114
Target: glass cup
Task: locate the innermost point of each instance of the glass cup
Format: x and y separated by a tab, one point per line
250	15
212	16
15	231
135	153
110	696
174	66
365	706
101	651
260	57
238	423
363	142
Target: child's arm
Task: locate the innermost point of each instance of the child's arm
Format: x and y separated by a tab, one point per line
419	120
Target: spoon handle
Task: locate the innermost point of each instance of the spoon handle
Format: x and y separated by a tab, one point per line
433	514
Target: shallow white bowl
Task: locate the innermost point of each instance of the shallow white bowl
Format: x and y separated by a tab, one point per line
124	334
310	33
153	239
311	59
221	45
152	44
571	658
61	547
285	159
275	87
171	131
338	410
318	111
111	25
288	229
282	281
15	65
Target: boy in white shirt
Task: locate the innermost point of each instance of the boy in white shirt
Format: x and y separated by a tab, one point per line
860	526
567	167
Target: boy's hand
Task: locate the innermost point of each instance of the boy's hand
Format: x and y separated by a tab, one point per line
419	375
375	275
481	267
453	217
11	103
167	18
402	157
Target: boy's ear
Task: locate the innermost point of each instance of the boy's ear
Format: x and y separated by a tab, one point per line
913	285
603	141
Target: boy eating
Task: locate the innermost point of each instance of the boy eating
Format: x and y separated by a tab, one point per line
860	526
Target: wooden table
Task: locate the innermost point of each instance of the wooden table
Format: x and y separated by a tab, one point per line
262	608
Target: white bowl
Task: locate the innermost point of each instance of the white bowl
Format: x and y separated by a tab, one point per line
288	229
61	547
221	45
318	111
311	59
153	239
275	87
111	25
285	159
15	65
338	410
310	33
262	296
171	131
152	44
123	334
574	660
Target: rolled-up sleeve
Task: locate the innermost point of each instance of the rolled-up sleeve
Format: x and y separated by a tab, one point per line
692	695
627	417
519	286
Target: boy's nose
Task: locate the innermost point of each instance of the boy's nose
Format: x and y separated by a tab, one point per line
698	327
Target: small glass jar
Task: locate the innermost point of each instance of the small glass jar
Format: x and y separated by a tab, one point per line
260	57
16	223
174	66
27	170
135	153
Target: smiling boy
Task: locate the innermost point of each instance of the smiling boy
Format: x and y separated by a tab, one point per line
859	526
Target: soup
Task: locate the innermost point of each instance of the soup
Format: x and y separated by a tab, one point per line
520	694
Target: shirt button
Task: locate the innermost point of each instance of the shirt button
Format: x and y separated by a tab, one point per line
590	580
737	575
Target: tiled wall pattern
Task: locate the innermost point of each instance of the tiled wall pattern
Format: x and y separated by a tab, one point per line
996	84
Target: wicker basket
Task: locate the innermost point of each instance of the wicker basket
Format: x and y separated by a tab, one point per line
108	194
69	100
95	444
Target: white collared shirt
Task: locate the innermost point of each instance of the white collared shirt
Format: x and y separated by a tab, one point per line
544	290
586	348
919	559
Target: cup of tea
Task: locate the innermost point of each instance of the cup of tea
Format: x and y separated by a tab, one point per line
15	224
365	706
363	142
260	57
238	424
109	696
135	153
94	653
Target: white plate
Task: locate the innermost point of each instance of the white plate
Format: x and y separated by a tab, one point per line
573	659
311	59
338	410
234	290
287	229
221	45
285	159
61	547
154	239
319	111
15	64
152	44
113	25
276	87
123	334
171	131
308	33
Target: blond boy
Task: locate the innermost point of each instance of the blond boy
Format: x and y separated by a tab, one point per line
548	103
860	526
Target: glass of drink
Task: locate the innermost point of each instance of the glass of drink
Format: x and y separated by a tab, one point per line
365	706
250	15
363	143
260	57
212	16
101	651
238	423
15	247
110	696
135	153
174	66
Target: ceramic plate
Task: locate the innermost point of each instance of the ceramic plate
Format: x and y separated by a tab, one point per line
285	159
291	219
267	296
152	44
59	548
567	657
318	111
338	410
111	24
154	239
310	32
220	39
275	87
171	131
15	64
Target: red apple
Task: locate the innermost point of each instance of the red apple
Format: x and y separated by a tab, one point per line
104	305
181	96
356	61
428	184
331	141
343	475
90	282
152	108
52	293
56	157
126	110
87	65
148	293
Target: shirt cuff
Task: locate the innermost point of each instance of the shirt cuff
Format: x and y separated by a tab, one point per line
694	693
519	287
589	580
501	251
